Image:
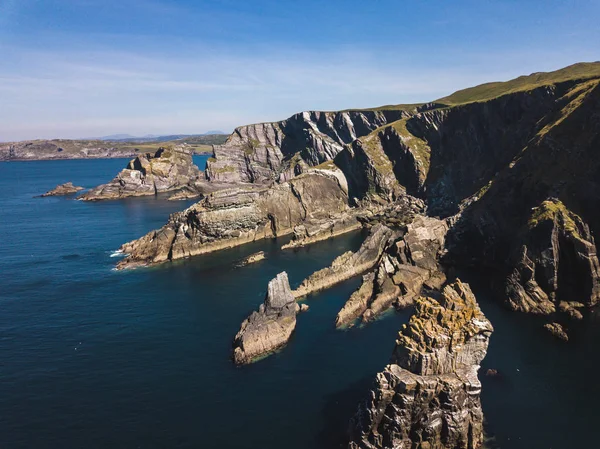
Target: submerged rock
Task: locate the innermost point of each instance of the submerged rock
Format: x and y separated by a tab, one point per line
429	395
63	189
167	170
271	327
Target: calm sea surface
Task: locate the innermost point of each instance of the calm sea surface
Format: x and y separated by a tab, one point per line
95	358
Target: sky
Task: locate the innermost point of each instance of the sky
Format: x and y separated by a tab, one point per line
87	68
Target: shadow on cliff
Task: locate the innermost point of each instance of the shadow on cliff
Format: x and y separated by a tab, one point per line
339	408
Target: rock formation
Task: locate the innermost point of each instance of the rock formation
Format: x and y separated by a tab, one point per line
557	330
271	327
63	189
401	272
169	169
252	258
557	245
235	216
349	264
429	395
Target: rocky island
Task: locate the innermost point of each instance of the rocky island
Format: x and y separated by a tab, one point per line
63	189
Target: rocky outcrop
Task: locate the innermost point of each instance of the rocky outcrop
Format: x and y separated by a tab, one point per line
253	258
429	395
557	330
63	189
168	170
559	253
232	217
271	327
406	266
266	152
349	264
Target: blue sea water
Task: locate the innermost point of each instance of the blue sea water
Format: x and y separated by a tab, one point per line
95	358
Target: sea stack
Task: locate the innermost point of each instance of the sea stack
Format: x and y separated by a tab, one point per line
429	395
271	327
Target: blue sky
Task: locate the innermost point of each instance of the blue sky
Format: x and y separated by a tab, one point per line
81	68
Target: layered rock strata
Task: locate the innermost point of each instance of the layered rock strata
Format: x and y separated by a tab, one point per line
429	395
267	152
558	246
63	189
232	217
349	264
167	170
405	267
271	327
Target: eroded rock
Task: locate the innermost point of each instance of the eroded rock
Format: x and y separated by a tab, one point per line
271	327
63	189
429	395
557	330
558	259
169	169
231	217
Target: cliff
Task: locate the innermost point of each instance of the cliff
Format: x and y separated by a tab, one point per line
429	395
235	216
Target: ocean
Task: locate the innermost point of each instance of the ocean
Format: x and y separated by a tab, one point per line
91	357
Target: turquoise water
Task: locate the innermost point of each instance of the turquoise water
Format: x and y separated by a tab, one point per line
94	358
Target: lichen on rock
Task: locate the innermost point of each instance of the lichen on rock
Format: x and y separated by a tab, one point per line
429	395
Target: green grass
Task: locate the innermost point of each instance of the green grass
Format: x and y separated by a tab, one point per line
418	146
488	91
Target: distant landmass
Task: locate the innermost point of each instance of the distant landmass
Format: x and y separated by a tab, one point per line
152	137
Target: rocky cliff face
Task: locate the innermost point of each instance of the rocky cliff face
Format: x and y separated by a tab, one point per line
429	395
232	217
271	327
534	222
169	169
277	151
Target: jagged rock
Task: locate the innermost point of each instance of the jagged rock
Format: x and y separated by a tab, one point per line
429	395
570	308
349	264
559	246
267	152
304	307
63	189
406	266
232	217
557	330
253	258
167	170
492	372
271	327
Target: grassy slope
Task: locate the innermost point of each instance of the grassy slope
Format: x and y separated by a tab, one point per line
581	71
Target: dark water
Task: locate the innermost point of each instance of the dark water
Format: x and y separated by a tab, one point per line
94	358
